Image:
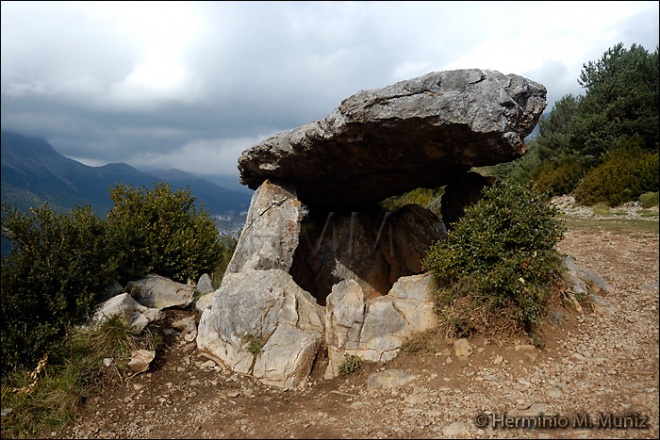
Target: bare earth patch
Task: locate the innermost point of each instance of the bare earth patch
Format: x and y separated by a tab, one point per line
597	372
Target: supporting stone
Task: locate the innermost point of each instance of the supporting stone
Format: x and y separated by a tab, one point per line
375	329
270	235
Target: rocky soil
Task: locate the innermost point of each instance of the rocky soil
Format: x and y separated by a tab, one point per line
596	377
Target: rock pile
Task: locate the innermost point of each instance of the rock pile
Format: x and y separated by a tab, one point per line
319	264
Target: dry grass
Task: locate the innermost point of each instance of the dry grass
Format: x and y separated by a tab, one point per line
42	403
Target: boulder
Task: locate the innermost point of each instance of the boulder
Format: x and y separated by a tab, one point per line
207	287
341	246
205	284
460	194
412	296
161	293
204	302
364	264
424	132
287	358
375	329
132	313
406	236
261	322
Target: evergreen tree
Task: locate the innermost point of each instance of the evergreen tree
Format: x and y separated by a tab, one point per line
620	101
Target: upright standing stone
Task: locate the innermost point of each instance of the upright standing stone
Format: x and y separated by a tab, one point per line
259	320
270	235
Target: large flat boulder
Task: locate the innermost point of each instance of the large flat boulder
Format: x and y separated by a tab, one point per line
424	132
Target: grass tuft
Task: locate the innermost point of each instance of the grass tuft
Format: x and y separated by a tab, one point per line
254	343
75	372
350	364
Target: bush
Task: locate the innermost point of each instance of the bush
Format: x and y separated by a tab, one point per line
350	364
59	264
649	199
57	267
558	177
626	173
501	256
161	232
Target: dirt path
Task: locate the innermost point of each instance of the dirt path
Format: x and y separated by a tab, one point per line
599	368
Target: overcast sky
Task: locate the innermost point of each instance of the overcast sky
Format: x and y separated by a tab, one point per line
189	85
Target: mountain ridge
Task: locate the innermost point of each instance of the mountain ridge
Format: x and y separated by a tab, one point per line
34	173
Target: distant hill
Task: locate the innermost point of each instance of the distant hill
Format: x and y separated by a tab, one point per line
33	173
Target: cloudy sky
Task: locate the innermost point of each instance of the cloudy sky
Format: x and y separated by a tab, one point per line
190	85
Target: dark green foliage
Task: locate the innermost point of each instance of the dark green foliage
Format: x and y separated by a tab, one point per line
59	264
519	170
620	104
57	267
501	255
350	364
462	325
161	232
556	131
621	99
626	173
560	176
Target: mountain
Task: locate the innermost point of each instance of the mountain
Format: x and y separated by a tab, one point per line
33	173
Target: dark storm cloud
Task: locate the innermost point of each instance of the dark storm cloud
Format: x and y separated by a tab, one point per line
191	84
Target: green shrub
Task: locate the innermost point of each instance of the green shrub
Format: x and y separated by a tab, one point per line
558	177
161	232
254	343
501	256
59	264
57	267
626	173
350	364
601	208
649	199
